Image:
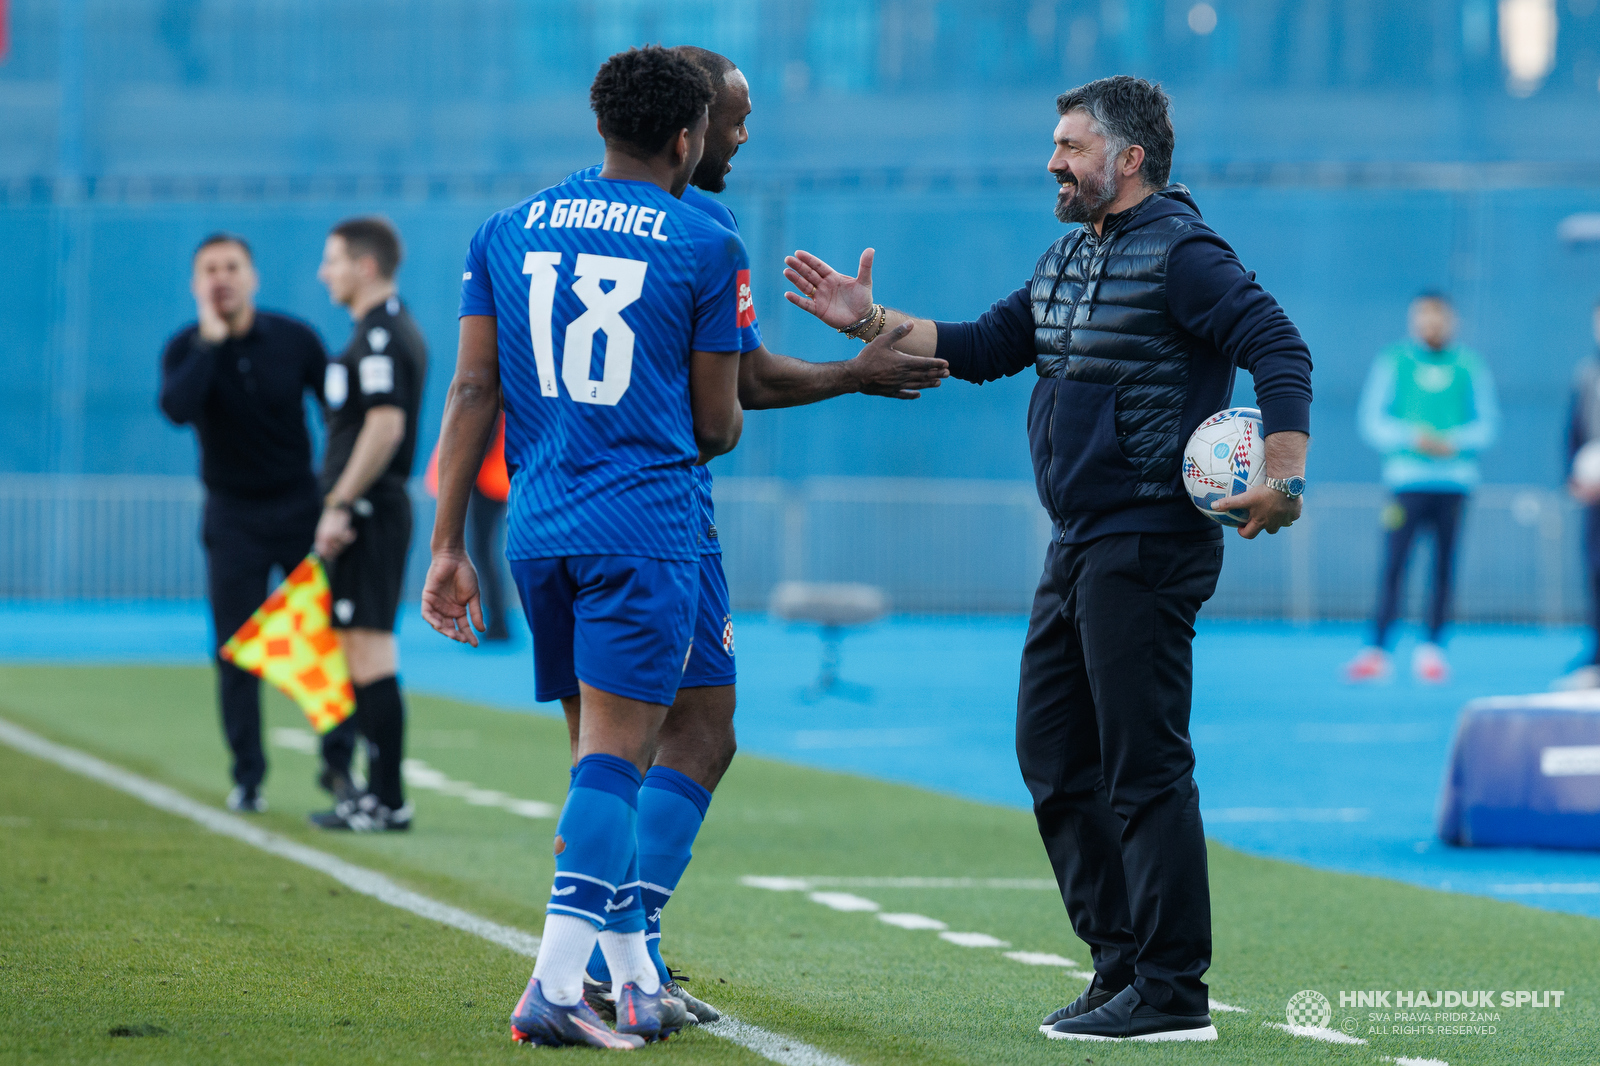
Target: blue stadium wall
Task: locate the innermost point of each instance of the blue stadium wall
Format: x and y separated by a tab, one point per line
1353	151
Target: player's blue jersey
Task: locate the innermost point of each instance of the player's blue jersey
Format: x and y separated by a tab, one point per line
601	289
750	340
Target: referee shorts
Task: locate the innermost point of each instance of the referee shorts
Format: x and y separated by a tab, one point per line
368	577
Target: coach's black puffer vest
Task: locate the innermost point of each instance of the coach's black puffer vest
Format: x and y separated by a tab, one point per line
1113	366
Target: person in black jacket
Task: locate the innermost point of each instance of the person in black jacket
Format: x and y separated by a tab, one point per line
1135	323
239	376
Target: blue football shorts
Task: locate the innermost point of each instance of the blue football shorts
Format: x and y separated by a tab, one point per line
711	658
621	623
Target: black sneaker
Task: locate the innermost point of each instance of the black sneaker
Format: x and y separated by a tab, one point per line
363	814
1127	1017
1095	995
598	995
246	800
700	1012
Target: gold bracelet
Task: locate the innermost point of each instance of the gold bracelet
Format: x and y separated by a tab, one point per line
855	327
883	315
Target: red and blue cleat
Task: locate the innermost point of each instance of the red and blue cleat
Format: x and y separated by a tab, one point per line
538	1021
653	1016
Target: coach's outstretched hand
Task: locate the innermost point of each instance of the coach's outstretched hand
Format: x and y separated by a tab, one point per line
837	299
450	596
883	370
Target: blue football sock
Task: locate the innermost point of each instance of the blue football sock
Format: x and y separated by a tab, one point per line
598	835
671	808
597	967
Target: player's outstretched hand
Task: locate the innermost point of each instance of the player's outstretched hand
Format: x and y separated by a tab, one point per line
1269	509
884	370
450	598
837	299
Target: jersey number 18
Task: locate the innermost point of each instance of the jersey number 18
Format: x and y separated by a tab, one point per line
602	314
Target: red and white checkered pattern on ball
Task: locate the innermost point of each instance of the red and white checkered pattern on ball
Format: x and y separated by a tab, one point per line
1225	456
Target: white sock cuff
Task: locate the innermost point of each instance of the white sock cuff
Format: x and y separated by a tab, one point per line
629	960
563	954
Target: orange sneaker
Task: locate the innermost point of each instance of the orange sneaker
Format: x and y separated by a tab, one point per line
1371	665
1428	664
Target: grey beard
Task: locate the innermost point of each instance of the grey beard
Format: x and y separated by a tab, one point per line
1093	196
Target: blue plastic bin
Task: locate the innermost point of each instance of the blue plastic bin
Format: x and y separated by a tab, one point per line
1524	772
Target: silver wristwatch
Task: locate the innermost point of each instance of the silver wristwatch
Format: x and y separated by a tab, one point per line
1294	487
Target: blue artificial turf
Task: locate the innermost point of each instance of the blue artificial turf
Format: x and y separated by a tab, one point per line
1292	763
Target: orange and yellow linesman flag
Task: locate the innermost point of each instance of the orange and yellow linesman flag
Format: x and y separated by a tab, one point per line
290	642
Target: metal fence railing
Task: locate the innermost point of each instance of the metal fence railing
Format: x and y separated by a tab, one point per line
934	545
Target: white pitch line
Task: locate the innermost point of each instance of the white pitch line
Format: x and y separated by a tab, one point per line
974	940
1040	958
769	1045
1332	1036
807	884
845	901
419	774
912	921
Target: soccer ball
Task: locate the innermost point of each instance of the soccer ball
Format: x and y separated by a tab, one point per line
1225	457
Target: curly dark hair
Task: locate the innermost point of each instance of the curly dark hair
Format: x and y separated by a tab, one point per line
644	96
1128	111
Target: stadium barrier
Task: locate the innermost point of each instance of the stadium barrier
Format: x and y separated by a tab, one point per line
934	545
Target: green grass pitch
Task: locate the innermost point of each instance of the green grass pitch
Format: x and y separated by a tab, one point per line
117	918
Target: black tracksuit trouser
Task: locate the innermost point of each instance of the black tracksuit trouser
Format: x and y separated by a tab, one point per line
244	539
1103	743
1439	512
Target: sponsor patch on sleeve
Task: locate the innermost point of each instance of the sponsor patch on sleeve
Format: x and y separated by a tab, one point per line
377	374
747	303
336	385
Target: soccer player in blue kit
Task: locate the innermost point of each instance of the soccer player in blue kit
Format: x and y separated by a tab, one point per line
696	742
605	315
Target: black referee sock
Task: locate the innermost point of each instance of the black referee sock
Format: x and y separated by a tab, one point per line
381	717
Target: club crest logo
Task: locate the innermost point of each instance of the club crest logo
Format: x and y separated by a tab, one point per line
377	338
727	633
1309	1008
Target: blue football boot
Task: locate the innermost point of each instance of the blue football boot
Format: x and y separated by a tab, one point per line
652	1016
538	1021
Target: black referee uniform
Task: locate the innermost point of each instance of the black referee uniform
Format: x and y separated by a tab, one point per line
246	399
384	365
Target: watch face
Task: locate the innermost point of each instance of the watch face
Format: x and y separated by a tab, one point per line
1296	486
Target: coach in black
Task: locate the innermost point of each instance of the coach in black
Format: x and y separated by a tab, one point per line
373	393
239	376
1134	323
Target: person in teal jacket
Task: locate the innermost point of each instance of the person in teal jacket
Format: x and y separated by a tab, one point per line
1429	408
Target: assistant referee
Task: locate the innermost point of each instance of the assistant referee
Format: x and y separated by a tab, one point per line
373	394
239	376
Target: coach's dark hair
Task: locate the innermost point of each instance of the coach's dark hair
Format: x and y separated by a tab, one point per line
374	236
715	64
644	96
1128	111
1436	295
223	237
